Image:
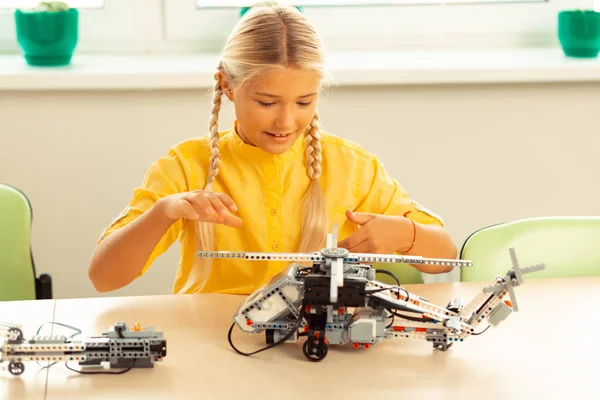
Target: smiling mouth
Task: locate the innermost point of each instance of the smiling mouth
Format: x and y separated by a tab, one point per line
278	134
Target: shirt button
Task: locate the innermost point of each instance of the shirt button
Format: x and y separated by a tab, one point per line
274	211
276	245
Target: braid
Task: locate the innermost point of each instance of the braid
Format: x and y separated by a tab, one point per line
314	218
313	149
213	127
206	231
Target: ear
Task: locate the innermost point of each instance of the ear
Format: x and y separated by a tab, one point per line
225	84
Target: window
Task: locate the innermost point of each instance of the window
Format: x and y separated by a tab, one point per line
191	26
342	3
11	4
105	25
384	24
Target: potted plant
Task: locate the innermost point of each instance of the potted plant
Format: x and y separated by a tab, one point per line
48	33
244	10
579	32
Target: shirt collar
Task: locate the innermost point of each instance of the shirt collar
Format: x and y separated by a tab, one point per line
255	153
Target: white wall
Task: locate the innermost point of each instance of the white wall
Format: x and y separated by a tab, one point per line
477	155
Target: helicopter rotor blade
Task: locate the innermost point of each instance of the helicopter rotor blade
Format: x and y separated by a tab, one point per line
334	237
511	294
259	256
376	258
515	263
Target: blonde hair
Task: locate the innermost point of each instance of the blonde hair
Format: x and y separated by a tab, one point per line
266	37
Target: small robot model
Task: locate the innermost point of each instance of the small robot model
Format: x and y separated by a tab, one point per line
337	300
121	347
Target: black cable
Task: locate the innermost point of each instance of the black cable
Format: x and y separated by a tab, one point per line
410	318
378	290
389	273
391	323
286	337
101	372
77	332
479	333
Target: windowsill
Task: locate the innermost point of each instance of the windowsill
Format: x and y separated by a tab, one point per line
110	72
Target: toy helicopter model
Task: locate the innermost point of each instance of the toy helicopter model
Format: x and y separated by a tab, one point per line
121	347
315	301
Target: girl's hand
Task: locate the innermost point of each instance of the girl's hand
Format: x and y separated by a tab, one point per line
202	206
382	234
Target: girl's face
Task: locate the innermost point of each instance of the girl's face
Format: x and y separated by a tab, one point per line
277	109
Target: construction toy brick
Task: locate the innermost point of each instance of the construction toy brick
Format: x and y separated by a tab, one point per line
337	301
120	347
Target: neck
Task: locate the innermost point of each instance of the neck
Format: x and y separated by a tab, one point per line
242	135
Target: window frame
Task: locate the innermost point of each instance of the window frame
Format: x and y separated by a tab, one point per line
394	27
347	3
119	26
178	26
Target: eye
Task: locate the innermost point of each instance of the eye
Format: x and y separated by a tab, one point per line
304	104
262	103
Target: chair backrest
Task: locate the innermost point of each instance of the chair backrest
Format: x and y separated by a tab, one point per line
407	274
17	272
568	246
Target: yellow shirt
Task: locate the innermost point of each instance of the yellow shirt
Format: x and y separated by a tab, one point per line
268	191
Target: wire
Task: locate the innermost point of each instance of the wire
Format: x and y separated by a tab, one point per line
77	332
102	372
391	323
390	273
483	331
410	318
286	337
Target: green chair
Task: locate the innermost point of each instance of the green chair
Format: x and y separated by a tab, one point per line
407	274
568	246
18	279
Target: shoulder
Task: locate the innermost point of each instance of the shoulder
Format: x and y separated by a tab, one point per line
195	150
191	148
185	165
334	145
348	158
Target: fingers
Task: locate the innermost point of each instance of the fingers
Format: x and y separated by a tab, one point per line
363	247
355	239
232	221
189	211
227	201
359	218
366	246
215	208
223	206
217	204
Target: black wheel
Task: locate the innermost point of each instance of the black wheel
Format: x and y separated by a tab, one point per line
269	336
442	346
314	350
15	335
16	368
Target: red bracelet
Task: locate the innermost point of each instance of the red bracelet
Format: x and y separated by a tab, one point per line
414	232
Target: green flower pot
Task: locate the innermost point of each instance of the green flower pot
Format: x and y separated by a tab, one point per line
244	10
47	38
579	33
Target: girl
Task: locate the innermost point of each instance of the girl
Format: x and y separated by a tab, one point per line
274	182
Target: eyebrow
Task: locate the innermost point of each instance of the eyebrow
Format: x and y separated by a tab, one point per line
275	96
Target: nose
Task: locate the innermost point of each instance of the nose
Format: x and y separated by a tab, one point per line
284	122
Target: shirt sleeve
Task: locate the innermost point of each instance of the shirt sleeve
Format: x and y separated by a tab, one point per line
385	195
166	176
